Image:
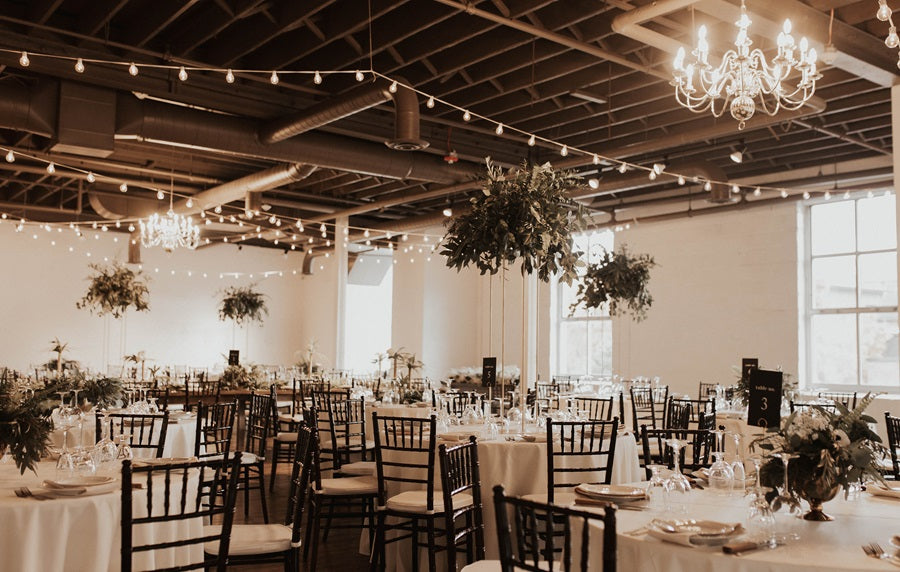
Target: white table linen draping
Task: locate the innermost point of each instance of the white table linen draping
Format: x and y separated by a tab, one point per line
821	546
80	534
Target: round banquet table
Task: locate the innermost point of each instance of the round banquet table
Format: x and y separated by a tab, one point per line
180	436
821	545
80	533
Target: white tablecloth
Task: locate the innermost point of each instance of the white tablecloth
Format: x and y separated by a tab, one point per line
78	534
392	410
822	545
180	437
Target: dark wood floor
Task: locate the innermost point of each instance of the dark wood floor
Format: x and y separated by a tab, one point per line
340	553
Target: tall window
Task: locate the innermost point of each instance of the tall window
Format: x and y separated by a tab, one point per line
851	294
583	338
368	316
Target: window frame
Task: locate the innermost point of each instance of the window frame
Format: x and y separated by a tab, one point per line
856	310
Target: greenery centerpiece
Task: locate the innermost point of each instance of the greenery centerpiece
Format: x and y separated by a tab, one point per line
24	425
521	214
619	281
308	360
114	289
833	449
100	390
243	305
243	377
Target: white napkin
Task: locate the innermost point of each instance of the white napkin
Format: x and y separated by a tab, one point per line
882	491
683	538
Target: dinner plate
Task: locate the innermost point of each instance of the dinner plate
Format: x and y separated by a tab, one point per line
78	482
883	491
457	435
610	492
708	528
80	486
537	438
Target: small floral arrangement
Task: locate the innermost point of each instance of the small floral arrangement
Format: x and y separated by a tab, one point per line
835	449
101	391
243	377
114	289
24	425
619	282
473	374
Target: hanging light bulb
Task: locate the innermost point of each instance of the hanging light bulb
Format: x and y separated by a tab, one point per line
827	195
680	180
393	87
273	79
160	195
190	202
366	233
299	225
467	116
806	195
90	177
892	40
229	76
430	103
735	190
317	78
846	194
218	209
784	194
79	66
404	238
51	168
883	13
130	228
623	167
531	141
133	69
499	129
757	192
23	60
564	150
322	227
123	188
652	175
359	76
596	159
707	186
10	156
182	74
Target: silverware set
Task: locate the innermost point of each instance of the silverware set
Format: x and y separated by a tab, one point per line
874	550
25	492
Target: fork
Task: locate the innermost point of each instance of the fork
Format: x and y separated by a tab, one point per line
25	492
874	550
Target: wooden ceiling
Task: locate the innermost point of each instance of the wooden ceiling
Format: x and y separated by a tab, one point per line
553	68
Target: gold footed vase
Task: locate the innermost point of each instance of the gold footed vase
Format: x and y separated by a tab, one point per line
815	493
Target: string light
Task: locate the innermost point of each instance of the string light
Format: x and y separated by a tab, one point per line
10	156
133	69
51	168
317	79
123	188
359	76
430	103
393	87
229	76
499	129
531	141
23	60
90	177
273	79
467	116
564	151
160	195
784	194
79	66
182	74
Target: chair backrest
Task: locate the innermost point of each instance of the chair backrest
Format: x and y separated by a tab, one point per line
460	475
171	492
202	386
678	414
645	407
578	452
564	383
215	428
706	390
533	544
404	454
892	426
597	408
147	430
848	398
693	407
259	419
301	473
308	386
347	425
693	456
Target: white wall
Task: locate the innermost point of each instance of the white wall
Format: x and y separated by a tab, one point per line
42	281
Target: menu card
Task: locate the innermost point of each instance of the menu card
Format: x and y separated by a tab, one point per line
234	357
489	372
765	398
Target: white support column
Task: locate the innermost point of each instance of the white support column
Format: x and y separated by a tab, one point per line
895	130
340	255
529	337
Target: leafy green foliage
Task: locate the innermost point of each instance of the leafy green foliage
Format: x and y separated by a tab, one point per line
24	425
243	305
102	391
521	214
618	280
113	289
243	377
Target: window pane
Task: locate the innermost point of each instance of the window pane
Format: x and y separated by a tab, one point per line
833	349
877	223
573	348
878	279
834	282
832	227
878	349
567	298
600	356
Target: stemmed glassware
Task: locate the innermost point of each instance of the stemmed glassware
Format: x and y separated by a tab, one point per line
656	490
787	496
760	518
677	485
721	475
66	420
737	465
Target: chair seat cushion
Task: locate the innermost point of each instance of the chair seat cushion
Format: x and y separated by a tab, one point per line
286	436
483	566
349	486
247	539
288	418
415	501
248	458
359	468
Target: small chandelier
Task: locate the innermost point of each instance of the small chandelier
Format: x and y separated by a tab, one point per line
745	76
171	231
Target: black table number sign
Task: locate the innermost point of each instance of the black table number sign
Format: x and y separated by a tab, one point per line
489	372
765	398
234	357
748	365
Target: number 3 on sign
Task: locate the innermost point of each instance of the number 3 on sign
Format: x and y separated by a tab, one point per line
765	404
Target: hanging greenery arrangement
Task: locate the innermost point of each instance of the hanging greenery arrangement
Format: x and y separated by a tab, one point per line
114	289
243	305
522	214
24	425
618	280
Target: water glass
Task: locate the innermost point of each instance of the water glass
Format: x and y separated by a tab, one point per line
657	496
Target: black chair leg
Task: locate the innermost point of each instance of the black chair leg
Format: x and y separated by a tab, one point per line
276	449
414	524
262	490
317	516
328	522
432	562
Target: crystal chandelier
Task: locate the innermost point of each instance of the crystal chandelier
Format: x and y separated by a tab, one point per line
744	76
171	231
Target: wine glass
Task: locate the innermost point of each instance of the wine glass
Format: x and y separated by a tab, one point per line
656	490
677	485
124	452
786	496
65	463
737	465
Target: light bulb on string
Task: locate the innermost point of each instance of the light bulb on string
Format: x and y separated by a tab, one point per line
182	74
564	151
90	177
322	227
299	225
79	66
273	79
190	202
366	233
846	194
160	195
430	103
10	156
680	180
784	194
133	69
707	186
24	61
531	141
123	188
218	209
51	168
130	228
499	129
393	87
827	195
229	76
735	190
317	78
652	175
883	13
757	192
359	76
596	159
467	116
623	167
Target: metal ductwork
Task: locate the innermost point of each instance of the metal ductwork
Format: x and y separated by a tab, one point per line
181	127
33	110
406	122
354	101
275	177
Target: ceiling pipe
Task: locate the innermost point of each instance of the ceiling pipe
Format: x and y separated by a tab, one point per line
34	109
275	177
560	39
